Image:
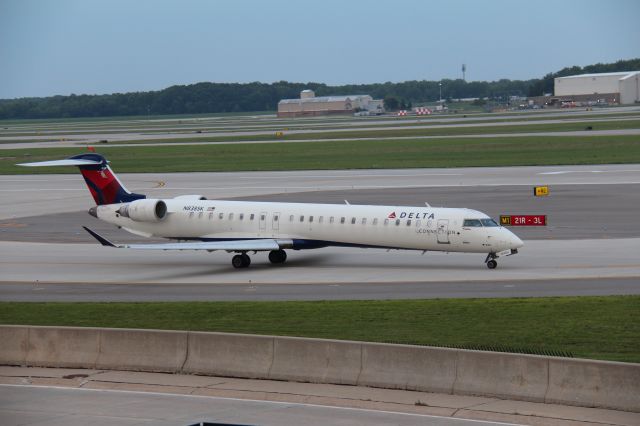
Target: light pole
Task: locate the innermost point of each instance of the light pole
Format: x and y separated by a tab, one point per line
440	84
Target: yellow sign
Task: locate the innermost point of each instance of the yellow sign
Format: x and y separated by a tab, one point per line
279	134
505	220
540	191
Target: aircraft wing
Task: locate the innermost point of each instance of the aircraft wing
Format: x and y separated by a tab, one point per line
233	245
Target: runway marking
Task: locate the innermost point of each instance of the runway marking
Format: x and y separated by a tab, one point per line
288	404
588	171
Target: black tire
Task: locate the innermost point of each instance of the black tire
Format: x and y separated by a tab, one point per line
237	261
492	264
277	256
246	260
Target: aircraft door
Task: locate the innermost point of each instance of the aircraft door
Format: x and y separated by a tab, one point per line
263	221
275	221
443	231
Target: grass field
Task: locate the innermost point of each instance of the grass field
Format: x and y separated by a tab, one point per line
405	153
605	328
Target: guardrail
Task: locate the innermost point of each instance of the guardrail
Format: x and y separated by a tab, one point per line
535	378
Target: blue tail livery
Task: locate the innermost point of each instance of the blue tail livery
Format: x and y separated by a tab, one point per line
103	184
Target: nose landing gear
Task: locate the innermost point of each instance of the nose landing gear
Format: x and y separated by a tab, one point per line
491	261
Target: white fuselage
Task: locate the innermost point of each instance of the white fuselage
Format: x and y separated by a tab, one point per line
319	225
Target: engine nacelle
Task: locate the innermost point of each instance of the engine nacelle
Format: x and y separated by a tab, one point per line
190	197
144	210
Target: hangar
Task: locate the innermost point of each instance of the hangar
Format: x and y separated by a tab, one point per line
308	104
611	87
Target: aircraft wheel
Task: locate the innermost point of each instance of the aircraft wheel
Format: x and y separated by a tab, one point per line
492	264
277	256
240	261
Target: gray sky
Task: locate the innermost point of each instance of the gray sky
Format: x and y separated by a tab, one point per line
50	47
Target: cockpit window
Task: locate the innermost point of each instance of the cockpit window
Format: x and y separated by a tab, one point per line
470	223
488	222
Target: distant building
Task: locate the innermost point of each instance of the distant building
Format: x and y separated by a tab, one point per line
310	105
611	87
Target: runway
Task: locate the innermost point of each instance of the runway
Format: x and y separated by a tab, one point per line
589	247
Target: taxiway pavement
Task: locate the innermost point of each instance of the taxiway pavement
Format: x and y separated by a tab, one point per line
591	245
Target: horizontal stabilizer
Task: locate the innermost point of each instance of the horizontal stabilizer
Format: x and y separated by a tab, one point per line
228	245
67	162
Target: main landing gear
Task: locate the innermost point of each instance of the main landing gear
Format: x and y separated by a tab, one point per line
243	260
277	256
491	261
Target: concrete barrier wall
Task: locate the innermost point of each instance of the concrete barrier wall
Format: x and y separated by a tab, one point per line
237	355
522	377
63	347
408	367
316	361
143	350
581	382
503	375
14	342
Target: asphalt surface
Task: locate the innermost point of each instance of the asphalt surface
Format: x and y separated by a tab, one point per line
26	406
589	247
184	292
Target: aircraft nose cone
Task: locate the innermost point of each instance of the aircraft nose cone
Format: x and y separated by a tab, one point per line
93	211
516	242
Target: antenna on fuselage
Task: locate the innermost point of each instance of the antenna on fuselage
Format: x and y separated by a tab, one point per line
346	202
426	204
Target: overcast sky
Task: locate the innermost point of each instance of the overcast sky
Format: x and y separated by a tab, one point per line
50	47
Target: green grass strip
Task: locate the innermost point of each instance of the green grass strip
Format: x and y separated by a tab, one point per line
605	328
405	153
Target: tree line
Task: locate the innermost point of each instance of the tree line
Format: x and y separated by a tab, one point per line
235	97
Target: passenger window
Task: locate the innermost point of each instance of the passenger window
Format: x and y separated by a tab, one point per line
310	219
291	218
220	215
418	223
251	216
241	216
200	215
210	216
342	220
408	222
275	218
397	222
190	214
386	222
320	219
364	220
472	223
353	220
331	219
375	221
262	217
230	216
301	218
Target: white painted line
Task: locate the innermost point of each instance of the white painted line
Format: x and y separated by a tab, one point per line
587	171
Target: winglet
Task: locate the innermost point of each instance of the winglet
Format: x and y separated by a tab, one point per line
100	238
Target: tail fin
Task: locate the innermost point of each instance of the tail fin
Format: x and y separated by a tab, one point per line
102	182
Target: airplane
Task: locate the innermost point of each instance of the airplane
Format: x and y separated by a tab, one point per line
196	223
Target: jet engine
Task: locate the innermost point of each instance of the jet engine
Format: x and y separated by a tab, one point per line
144	210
